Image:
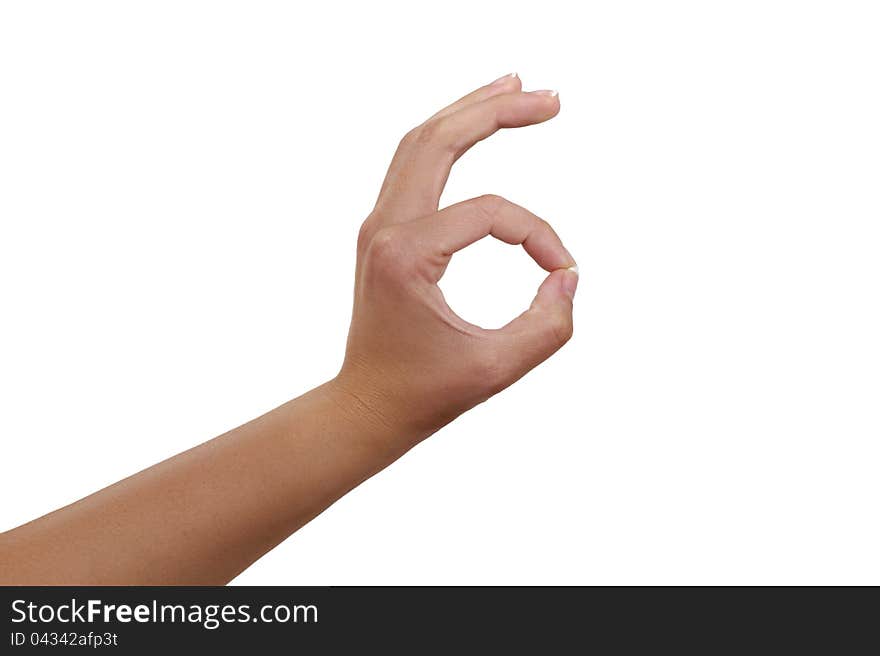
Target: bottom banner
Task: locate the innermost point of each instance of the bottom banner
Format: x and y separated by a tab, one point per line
138	620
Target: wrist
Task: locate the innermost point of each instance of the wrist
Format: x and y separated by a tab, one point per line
372	411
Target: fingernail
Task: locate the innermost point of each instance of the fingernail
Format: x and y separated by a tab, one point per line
503	79
570	281
546	92
570	258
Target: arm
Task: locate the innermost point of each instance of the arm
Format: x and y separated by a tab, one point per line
411	366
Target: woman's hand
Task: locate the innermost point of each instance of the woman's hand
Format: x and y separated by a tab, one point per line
411	366
411	361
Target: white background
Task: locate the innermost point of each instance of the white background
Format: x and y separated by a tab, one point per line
181	184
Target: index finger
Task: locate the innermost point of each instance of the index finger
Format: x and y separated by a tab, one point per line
460	225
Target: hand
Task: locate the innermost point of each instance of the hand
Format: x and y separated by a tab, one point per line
410	360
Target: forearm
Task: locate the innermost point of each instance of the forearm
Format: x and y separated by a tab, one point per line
205	515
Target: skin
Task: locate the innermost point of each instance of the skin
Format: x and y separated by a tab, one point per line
411	366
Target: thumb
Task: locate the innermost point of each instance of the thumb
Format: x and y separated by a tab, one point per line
541	330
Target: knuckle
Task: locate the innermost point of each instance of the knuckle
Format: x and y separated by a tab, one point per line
410	137
489	204
431	133
383	244
547	227
560	328
365	235
385	251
